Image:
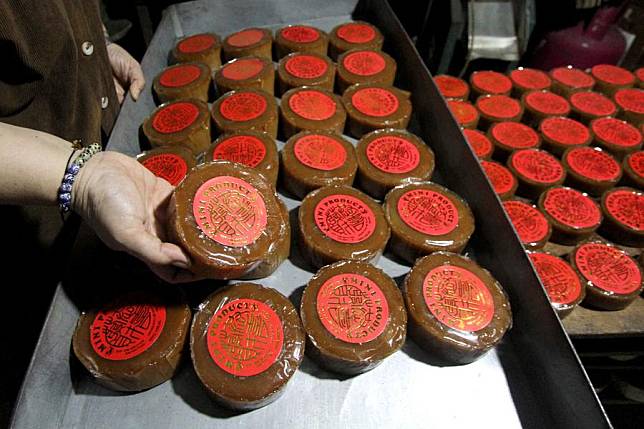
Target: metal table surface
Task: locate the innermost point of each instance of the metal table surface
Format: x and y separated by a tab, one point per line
528	381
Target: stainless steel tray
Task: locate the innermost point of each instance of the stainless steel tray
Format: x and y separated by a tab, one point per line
533	379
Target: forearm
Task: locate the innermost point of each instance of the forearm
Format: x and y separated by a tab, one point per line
32	165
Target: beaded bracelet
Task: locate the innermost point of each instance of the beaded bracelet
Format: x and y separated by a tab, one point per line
65	190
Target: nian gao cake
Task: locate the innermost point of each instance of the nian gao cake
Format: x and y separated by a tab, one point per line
531	225
568	80
480	144
171	163
623	210
354	35
562	283
247	42
536	171
559	134
502	180
365	66
543	104
631	105
305	69
498	108
246	73
590	169
589	105
246	109
489	82
374	106
616	136
300	38
452	87
633	166
527	79
510	136
187	80
610	78
305	109
204	48
465	113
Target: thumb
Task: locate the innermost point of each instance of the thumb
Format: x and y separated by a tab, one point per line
151	250
137	80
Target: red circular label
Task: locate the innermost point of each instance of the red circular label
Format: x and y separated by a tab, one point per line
364	63
464	112
428	212
306	66
356	33
344	218
229	211
571	208
245	337
243	149
175	117
530	224
393	154
608	268
593	164
168	166
179	76
458	298
499	106
640	73
559	279
636	162
538	166
300	34
245	38
481	145
243	106
127	329
593	103
352	308
490	82
515	135
612	74
565	131
320	152
243	68
376	102
501	178
627	207
616	132
196	43
548	103
572	77
450	86
631	99
312	105
530	78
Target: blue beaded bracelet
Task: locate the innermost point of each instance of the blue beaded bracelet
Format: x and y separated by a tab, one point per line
65	190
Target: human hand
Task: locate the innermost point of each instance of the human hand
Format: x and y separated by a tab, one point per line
126	206
126	72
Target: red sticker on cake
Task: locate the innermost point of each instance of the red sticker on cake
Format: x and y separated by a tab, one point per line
344	218
312	105
499	106
306	66
501	178
428	212
245	337
636	162
616	132
612	74
481	145
195	44
572	77
537	166
548	103
242	68
229	211
608	268
464	112
627	207
572	208
530	223
168	166
127	328
565	131
352	308
356	33
458	298
300	34
177	76
530	78
559	279
320	152
593	164
451	87
393	154
515	135
631	99
175	117
364	63
243	149
376	102
243	106
491	82
593	103
245	38
640	73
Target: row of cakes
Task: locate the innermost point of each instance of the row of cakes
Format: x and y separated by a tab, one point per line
246	340
567	155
